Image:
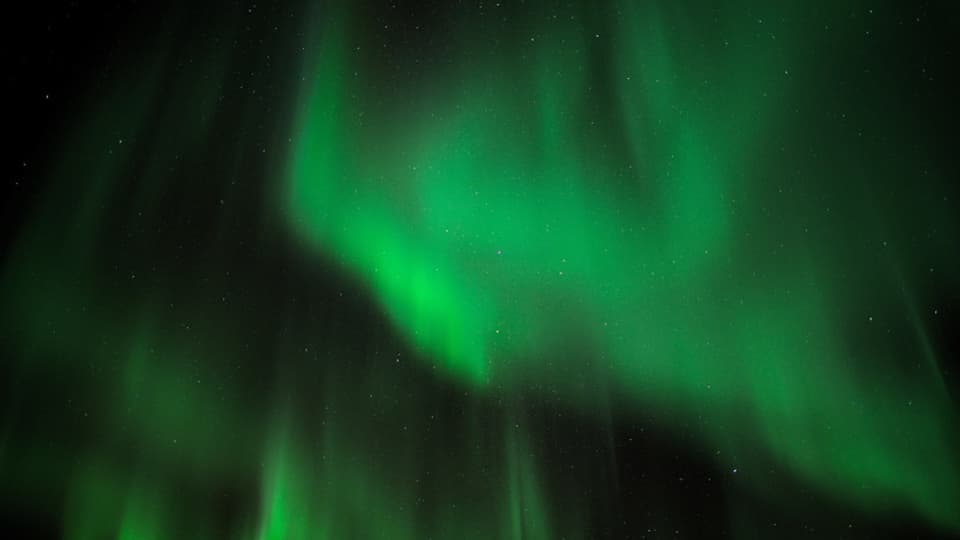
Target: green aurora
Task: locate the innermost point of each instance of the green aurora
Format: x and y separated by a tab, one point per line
354	304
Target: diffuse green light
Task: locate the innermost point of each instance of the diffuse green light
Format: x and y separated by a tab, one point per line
509	239
593	211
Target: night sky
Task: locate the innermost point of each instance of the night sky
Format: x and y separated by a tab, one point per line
480	270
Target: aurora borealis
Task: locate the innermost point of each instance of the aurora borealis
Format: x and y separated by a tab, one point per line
521	270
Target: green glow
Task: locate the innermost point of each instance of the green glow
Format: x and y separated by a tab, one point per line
506	241
293	284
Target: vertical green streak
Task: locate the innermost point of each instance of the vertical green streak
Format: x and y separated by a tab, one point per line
528	508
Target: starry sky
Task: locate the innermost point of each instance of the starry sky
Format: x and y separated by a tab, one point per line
476	270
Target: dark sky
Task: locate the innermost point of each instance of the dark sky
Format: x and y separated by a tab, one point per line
524	270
